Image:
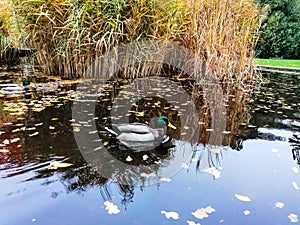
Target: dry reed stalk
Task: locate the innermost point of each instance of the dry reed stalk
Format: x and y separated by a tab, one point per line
70	34
224	32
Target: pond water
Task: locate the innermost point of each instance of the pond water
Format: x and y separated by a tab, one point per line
45	177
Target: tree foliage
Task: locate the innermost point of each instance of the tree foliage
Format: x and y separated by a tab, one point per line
280	32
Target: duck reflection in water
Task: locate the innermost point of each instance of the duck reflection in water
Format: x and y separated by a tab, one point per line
295	143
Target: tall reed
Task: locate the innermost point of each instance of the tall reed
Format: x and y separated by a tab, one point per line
69	34
4	17
225	33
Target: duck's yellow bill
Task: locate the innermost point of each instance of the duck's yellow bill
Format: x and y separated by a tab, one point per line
171	125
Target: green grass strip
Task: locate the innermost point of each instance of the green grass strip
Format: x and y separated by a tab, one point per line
288	63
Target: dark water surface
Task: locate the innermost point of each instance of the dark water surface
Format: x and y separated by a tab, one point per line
255	182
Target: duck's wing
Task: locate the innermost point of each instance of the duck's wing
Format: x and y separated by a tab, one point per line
136	137
138	128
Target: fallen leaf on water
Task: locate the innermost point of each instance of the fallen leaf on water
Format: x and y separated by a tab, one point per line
4	150
295	185
76	129
140	114
184	165
147	175
129	159
226	132
5	142
33	134
172	215
247	212
15	140
93	132
293	218
243	198
30	128
216	151
165	179
38	109
57	165
203	212
111	208
213	171
295	169
192	223
279	205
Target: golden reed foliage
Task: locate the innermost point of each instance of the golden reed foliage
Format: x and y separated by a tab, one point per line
69	34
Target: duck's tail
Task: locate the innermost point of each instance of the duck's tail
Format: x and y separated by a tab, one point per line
111	131
166	139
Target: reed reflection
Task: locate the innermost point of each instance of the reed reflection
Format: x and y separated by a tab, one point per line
48	136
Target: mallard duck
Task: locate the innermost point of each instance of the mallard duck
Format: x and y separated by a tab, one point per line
139	132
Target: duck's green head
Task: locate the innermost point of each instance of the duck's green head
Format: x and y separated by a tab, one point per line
26	82
163	121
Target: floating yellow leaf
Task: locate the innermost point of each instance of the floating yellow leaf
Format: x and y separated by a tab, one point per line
111	208
168	215
190	222
6	142
33	134
213	171
129	159
226	132
4	150
203	212
140	114
76	129
184	165
147	175
247	212
295	185
295	169
58	165
293	218
15	140
243	198
165	179
93	132
279	205
38	109
30	128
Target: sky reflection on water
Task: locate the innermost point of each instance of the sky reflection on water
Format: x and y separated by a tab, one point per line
263	170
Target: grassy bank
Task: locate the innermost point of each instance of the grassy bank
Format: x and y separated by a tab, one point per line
278	63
